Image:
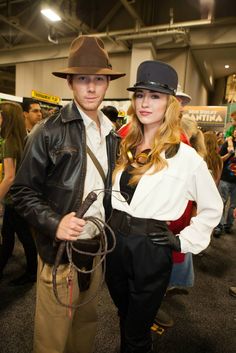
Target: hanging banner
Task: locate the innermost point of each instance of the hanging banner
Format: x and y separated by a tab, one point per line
45	97
207	115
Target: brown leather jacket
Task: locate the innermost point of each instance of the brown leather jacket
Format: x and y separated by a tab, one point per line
50	180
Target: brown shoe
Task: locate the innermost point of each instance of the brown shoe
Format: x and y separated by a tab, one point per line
232	291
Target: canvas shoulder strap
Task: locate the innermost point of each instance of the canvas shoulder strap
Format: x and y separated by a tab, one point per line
96	163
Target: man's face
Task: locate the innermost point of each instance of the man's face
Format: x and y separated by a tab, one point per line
88	91
33	116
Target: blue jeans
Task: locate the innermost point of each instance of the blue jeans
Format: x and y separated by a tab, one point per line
182	274
228	193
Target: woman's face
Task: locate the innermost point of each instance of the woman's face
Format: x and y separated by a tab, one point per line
150	107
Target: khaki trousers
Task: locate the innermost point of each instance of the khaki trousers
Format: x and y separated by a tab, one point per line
55	331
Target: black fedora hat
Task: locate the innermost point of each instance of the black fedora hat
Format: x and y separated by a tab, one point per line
156	76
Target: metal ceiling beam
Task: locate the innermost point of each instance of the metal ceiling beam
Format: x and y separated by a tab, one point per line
152	34
177	25
20	28
34	14
109	16
132	12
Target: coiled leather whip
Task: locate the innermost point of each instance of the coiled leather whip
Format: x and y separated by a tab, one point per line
69	247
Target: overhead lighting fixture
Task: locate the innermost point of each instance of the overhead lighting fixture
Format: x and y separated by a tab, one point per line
51	15
226	66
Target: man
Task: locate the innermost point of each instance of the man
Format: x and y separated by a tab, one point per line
32	113
55	176
112	113
227	187
182	97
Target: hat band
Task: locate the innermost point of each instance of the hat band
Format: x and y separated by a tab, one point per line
154	84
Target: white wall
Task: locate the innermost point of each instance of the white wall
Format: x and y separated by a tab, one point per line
188	74
38	76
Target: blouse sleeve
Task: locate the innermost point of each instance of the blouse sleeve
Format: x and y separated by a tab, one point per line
202	189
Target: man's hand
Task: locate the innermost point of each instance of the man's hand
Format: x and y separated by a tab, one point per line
70	227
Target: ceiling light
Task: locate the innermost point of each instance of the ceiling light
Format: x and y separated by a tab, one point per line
226	66
51	15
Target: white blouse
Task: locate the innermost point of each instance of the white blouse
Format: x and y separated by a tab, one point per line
165	195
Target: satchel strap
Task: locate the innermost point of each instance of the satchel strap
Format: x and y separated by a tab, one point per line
96	163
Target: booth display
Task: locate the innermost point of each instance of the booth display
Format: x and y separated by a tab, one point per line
208	117
10	97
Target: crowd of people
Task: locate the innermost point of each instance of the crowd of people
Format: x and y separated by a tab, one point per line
159	186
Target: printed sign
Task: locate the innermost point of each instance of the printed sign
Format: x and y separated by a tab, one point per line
45	97
207	115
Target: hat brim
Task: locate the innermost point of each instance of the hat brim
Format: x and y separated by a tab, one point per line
88	71
152	88
184	97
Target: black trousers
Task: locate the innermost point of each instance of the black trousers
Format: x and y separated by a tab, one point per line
137	276
14	223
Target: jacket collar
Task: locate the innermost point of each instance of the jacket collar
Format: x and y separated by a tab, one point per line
70	112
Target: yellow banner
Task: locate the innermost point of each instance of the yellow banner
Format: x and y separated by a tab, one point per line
45	97
207	115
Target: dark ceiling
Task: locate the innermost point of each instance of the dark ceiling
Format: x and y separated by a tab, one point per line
206	27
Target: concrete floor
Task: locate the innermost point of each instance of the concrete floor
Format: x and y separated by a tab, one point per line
205	319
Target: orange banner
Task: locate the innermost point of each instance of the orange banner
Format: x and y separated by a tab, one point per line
207	115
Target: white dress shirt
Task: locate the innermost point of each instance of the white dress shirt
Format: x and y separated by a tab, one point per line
96	140
165	194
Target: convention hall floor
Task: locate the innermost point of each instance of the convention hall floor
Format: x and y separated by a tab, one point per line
205	319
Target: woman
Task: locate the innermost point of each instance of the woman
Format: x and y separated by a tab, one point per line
182	274
155	177
213	159
194	134
13	133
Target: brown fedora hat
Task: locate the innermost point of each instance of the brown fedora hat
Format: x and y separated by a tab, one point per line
87	56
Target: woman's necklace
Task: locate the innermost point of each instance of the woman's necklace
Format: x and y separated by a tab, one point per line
140	159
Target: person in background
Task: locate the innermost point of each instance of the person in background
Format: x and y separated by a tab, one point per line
220	139
227	187
212	157
182	275
229	133
182	97
32	113
155	177
112	113
13	133
194	135
55	176
232	290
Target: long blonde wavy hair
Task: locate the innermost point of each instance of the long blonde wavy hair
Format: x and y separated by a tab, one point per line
190	128
213	159
166	138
